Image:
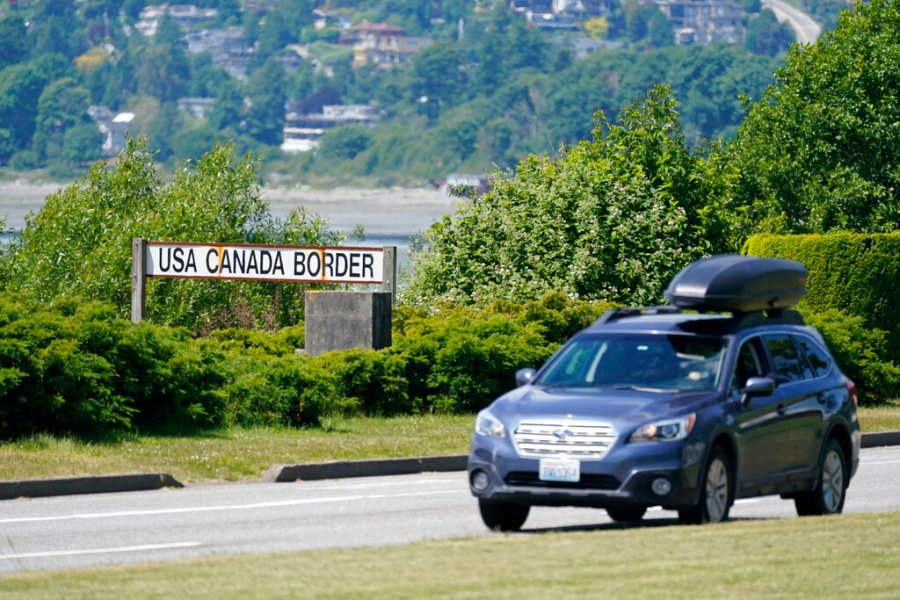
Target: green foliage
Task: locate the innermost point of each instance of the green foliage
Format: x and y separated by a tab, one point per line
75	368
459	360
853	273
343	143
373	381
80	241
611	219
819	152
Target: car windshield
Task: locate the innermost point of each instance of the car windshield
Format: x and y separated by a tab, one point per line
651	362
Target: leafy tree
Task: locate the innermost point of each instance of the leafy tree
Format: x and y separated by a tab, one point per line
765	35
265	89
20	88
55	27
163	127
613	218
82	144
228	107
436	79
597	28
162	72
344	143
206	78
79	244
13	43
820	151
62	105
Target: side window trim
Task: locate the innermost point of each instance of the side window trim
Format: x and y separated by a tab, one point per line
803	355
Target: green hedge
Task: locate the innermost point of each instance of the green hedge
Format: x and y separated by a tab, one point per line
857	274
75	368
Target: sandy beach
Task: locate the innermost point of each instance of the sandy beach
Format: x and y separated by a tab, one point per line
390	212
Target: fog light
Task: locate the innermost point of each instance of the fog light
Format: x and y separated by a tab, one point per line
480	480
661	486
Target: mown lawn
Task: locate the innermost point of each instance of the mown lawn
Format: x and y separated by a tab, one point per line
245	454
853	556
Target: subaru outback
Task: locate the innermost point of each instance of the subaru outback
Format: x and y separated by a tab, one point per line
724	393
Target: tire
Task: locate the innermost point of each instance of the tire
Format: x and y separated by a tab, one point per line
626	514
716	492
831	485
503	516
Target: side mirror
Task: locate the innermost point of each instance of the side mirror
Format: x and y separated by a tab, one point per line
525	376
757	386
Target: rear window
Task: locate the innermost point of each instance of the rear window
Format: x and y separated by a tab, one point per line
639	361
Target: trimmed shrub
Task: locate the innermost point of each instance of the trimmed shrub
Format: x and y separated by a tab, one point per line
373	380
461	359
857	274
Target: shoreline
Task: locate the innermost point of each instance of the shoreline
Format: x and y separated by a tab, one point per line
397	211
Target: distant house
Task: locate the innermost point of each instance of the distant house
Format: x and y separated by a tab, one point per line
461	184
339	18
381	44
227	46
187	16
196	107
112	127
704	21
302	131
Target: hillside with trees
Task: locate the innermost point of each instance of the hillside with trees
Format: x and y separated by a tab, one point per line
486	87
498	285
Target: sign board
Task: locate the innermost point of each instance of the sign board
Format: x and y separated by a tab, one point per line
258	262
265	263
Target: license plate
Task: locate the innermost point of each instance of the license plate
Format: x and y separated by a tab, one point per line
560	469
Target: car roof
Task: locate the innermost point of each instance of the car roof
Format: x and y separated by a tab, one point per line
668	319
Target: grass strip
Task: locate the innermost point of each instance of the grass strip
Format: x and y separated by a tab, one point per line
853	556
244	454
237	454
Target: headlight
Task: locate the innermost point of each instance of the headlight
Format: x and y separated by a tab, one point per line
487	424
669	430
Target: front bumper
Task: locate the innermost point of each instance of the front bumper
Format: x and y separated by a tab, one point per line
623	477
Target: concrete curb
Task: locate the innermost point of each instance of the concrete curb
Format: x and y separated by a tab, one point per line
364	468
881	438
35	488
285	473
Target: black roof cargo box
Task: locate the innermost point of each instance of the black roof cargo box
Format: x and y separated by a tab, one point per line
737	283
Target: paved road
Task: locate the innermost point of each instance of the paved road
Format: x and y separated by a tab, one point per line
82	531
806	30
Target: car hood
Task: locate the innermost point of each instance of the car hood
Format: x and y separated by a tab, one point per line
623	408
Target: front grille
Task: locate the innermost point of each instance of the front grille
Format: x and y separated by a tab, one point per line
583	440
587	482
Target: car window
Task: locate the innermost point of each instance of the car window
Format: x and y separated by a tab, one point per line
748	365
816	357
785	360
664	362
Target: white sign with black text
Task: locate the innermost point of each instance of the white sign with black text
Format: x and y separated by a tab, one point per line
267	263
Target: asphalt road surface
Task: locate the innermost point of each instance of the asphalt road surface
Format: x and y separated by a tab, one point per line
112	529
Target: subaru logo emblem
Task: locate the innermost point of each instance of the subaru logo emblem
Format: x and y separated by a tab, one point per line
562	433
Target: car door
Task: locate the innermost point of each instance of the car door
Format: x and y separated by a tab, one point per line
798	403
823	397
760	430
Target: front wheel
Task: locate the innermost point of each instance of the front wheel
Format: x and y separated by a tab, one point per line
828	497
717	492
626	514
503	516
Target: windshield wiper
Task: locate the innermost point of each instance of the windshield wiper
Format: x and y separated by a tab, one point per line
640	388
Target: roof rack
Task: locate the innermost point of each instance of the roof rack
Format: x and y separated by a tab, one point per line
736	322
614	314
